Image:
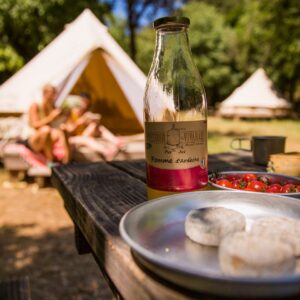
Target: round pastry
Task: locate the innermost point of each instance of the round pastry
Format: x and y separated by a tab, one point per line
209	225
284	229
248	254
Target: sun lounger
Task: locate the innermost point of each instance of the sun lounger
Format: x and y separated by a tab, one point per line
18	158
133	150
21	161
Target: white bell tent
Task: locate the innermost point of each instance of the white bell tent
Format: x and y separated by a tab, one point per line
83	58
255	98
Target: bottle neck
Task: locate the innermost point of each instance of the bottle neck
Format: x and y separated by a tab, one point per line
174	91
171	39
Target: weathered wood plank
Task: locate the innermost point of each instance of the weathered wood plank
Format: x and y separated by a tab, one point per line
81	244
15	289
96	196
135	168
99	191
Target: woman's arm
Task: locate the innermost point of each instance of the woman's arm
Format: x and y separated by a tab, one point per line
34	118
71	127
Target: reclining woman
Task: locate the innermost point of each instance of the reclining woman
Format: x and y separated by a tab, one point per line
42	135
85	129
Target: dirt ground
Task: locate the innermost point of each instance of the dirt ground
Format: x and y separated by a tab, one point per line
37	240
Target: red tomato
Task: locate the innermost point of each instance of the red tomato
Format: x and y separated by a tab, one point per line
249	177
248	189
257	186
232	177
225	183
274	188
264	179
236	184
288	188
298	189
239	184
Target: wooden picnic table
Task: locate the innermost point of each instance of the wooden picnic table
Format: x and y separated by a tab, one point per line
97	195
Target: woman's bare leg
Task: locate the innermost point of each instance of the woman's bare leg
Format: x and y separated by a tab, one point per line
107	151
60	137
109	136
140	137
120	141
92	130
96	130
41	141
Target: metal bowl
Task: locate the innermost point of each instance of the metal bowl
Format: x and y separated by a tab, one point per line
272	177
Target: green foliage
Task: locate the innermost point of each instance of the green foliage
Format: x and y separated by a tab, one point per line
145	46
269	36
117	30
10	61
213	46
27	26
230	9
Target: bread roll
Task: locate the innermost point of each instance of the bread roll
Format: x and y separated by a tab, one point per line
209	225
246	254
284	229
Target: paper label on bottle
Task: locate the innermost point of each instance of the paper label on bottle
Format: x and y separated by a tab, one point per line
176	145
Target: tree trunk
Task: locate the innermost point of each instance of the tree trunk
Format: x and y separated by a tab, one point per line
132	27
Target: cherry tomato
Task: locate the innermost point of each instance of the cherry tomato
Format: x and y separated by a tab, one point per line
232	177
249	177
239	184
257	186
225	183
288	188
298	189
249	189
274	188
236	184
264	179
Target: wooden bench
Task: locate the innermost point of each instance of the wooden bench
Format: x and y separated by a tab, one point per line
15	289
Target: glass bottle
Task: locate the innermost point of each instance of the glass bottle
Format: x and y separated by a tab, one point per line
175	114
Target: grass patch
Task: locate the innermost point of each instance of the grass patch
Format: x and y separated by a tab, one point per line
222	131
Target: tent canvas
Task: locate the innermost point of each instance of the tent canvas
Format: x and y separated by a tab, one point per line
83	58
255	98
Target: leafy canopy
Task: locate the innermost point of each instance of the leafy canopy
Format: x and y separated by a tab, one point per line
27	26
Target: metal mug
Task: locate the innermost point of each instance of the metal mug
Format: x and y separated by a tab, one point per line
261	146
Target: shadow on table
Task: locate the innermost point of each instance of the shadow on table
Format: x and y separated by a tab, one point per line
231	162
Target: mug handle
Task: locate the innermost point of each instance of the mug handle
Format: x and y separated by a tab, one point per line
239	140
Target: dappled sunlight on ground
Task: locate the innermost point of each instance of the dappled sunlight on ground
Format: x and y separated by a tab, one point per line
37	239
